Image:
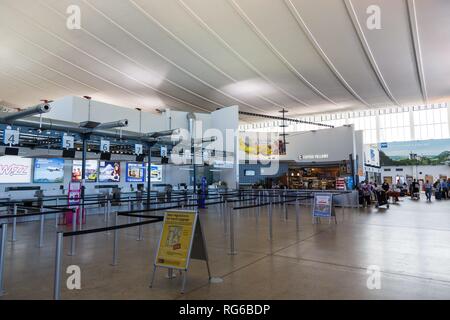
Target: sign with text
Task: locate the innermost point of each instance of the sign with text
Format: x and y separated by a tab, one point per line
176	239
11	136
68	142
138	149
15	169
104	145
163	151
323	205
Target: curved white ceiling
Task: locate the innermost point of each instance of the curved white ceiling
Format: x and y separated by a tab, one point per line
308	56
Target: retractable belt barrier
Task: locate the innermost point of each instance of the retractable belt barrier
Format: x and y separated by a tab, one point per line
61	235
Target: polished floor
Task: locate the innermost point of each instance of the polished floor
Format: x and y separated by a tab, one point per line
409	243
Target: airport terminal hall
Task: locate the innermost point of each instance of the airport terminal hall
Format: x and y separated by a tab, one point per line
223	156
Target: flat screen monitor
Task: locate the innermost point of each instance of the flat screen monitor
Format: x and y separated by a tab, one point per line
48	170
90	173
69	153
11	151
105	156
14	169
135	172
109	171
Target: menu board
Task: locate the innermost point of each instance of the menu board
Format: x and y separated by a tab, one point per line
135	172
14	169
109	171
48	170
90	173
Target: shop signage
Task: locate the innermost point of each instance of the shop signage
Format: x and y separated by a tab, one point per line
323	205
163	151
313	156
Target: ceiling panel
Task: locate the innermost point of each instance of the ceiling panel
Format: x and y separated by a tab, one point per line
196	55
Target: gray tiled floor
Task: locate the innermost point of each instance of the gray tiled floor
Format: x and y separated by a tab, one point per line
410	242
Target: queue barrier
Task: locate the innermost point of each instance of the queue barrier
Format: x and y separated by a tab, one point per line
60	243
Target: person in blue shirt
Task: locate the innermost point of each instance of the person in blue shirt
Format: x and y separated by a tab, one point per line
444	188
428	190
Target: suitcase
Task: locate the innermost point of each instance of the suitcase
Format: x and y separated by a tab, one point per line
438	195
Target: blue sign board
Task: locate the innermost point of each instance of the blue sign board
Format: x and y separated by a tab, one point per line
323	205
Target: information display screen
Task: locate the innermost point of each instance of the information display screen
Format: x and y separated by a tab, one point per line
14	169
156	173
135	172
91	170
48	170
109	171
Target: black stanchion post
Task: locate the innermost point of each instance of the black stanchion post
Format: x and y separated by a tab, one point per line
3	230
116	242
13	234
58	266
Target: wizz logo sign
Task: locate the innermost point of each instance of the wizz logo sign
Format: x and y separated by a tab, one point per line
13	170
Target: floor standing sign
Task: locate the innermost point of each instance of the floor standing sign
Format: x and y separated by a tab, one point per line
181	240
323	207
74	201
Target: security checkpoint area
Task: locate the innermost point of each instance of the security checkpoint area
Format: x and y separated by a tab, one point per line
224	158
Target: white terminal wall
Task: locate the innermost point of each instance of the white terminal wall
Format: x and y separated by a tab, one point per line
417	172
75	110
336	143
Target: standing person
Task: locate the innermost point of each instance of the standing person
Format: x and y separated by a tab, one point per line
428	190
385	186
444	188
366	193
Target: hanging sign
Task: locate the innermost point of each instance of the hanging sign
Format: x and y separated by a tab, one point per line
138	149
104	146
323	205
68	142
163	151
11	136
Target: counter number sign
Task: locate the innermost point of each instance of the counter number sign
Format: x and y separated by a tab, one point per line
11	136
68	142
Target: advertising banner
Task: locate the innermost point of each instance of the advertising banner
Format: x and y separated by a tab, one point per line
260	146
135	172
109	171
408	153
323	204
176	239
156	173
15	169
48	170
90	173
